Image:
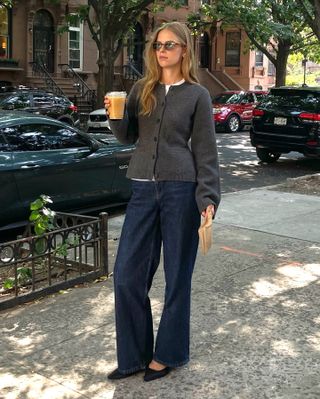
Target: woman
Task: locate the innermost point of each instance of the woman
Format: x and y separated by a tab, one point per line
172	184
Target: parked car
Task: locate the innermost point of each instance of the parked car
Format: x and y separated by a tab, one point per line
98	122
40	155
41	102
232	110
288	119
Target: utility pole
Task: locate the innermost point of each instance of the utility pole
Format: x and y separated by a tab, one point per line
304	64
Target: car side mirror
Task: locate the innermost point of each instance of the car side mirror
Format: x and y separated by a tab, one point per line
94	146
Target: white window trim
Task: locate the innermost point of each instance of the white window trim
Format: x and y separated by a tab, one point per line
77	29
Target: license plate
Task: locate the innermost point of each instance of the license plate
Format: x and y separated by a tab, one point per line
280	121
96	125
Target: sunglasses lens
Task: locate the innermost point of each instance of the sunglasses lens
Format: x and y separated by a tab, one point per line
169	45
156	45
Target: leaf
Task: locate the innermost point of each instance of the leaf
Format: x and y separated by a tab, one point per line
37	204
35	215
48	212
8	284
46	199
40	246
39	229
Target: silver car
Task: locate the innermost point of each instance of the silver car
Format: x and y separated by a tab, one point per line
98	122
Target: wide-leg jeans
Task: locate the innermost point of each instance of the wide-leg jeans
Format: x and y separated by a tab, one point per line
159	213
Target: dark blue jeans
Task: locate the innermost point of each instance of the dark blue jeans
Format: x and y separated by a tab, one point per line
158	213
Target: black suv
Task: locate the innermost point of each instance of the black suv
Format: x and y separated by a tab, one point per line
42	102
287	119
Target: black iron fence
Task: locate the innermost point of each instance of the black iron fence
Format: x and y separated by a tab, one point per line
33	266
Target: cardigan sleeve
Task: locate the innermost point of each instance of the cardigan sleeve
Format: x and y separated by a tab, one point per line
204	149
126	130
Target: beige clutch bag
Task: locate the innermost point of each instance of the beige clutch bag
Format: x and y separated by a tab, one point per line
205	233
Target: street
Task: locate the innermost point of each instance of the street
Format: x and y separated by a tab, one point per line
241	169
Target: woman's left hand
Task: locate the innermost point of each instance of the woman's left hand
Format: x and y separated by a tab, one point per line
210	208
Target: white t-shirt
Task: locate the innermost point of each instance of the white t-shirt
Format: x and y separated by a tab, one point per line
167	87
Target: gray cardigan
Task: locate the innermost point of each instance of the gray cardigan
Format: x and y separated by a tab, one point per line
162	151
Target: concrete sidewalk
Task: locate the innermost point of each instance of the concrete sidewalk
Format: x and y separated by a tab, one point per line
255	317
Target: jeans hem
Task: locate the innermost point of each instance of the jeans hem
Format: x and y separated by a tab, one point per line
132	370
173	365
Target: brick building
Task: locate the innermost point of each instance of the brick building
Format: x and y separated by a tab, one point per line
29	33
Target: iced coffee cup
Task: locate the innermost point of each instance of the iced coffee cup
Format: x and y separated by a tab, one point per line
117	103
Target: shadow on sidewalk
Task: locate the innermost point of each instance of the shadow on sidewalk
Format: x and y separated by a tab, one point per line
255	330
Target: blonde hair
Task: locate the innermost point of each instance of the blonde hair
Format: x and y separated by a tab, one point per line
153	70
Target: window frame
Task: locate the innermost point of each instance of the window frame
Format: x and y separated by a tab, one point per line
80	30
229	63
8	36
258	59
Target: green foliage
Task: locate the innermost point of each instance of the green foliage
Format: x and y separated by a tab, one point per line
62	249
41	216
266	22
8	284
297	79
6	3
111	22
24	275
277	27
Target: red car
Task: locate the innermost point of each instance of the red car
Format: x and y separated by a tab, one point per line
232	110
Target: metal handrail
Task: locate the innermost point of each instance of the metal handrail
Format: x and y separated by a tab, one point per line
41	71
85	92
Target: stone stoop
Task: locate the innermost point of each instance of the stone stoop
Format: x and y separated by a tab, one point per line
213	85
226	80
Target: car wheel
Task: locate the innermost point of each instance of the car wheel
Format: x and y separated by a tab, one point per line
265	155
233	124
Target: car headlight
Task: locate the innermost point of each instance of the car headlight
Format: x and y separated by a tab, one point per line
219	110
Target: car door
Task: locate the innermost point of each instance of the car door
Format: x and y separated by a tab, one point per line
121	187
10	209
57	161
247	105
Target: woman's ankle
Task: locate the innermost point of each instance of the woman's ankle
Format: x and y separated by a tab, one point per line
154	365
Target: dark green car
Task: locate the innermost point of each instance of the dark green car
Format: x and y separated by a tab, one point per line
40	155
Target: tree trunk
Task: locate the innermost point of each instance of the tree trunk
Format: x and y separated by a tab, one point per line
106	70
281	64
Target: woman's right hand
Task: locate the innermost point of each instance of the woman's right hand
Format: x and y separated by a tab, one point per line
107	104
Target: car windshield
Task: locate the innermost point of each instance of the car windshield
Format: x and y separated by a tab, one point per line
295	99
228	98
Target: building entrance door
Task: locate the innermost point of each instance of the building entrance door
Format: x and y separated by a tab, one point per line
204	48
43	39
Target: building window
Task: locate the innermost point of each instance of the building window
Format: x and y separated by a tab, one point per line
271	69
4	33
233	42
75	45
259	58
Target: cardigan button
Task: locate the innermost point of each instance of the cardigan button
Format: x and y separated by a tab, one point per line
155	138
153	157
158	120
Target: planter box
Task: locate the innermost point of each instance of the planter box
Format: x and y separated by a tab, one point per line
35	266
7	63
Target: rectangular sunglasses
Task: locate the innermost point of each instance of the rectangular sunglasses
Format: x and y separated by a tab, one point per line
169	45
